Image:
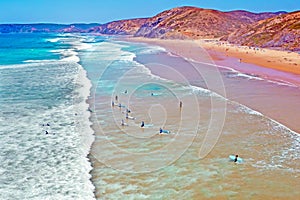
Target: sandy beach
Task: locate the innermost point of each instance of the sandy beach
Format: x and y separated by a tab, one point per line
268	101
274	59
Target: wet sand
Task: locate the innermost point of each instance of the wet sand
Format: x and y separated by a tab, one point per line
274	59
281	103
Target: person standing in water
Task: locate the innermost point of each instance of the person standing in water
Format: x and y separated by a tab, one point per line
123	123
116	97
236	158
143	124
180	104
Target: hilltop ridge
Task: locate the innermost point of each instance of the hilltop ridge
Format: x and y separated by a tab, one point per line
271	30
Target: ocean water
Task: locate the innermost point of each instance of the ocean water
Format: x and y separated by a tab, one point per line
191	162
44	122
51	78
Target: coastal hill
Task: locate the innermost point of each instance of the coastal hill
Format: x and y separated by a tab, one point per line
272	30
194	23
122	27
184	23
282	32
46	28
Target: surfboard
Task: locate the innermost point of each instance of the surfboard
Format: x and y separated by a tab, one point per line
165	131
232	158
155	94
130	117
148	125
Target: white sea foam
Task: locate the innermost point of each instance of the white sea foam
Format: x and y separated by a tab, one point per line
282	82
242	107
16	66
248	76
152	50
54	40
111	51
39	61
54	165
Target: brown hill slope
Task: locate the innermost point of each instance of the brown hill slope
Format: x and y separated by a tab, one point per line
122	27
184	22
282	32
191	22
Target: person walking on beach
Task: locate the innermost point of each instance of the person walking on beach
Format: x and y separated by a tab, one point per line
116	97
180	105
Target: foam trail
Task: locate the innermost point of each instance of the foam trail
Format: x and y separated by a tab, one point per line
211	93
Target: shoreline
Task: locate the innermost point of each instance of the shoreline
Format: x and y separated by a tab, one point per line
269	102
268	58
273	59
244	132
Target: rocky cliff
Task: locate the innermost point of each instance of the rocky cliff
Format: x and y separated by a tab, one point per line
122	27
191	22
282	32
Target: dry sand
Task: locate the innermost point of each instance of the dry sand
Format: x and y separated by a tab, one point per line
279	60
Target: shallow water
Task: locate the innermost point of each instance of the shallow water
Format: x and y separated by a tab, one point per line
139	163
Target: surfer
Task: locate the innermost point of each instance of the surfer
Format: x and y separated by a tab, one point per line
160	130
46	132
125	91
112	103
129	117
236	158
143	124
122	123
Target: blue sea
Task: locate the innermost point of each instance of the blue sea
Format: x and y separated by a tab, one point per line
61	138
44	123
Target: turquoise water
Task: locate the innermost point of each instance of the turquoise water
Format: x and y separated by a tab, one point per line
44	126
134	163
19	48
44	81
